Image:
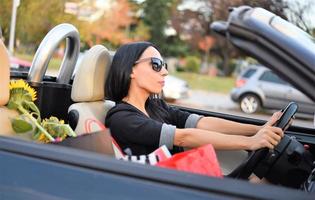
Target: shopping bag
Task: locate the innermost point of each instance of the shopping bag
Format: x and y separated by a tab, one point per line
160	154
201	160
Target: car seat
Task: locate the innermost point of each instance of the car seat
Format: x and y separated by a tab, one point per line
87	115
88	112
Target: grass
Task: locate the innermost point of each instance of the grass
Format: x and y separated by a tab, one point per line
195	81
54	63
25	56
207	83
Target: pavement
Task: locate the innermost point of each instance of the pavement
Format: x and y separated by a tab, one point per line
219	102
212	101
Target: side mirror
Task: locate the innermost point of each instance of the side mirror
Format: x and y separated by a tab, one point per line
220	27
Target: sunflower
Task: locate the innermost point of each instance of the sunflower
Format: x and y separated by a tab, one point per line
22	98
56	128
22	87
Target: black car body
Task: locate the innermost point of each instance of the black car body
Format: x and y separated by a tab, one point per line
45	171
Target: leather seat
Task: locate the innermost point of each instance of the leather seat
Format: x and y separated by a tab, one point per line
88	113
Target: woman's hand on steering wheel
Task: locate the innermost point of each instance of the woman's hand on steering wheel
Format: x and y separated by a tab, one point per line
267	136
273	119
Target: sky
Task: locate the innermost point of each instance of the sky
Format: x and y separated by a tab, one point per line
195	5
310	12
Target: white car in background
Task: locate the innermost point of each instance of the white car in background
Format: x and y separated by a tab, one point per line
175	88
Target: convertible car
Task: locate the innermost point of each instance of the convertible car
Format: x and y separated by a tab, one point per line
84	167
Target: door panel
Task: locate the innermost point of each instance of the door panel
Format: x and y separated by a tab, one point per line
229	160
275	90
306	105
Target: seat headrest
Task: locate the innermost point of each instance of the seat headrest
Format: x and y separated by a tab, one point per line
89	80
4	74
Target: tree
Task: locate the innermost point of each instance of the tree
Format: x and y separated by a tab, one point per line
155	16
299	13
118	25
205	45
34	19
114	31
220	12
5	16
193	24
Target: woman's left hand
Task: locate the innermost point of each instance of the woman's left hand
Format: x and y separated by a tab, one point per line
274	118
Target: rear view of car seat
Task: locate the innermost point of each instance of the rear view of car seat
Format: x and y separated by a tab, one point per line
88	113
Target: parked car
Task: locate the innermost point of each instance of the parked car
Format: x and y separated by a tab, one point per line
175	88
46	171
258	87
19	64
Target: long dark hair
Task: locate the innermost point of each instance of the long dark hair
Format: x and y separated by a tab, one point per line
118	79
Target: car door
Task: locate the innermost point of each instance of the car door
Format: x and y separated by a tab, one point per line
275	90
306	105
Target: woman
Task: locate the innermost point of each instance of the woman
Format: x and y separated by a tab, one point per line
5	114
141	122
4	74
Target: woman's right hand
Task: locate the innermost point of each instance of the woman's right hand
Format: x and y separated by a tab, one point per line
268	136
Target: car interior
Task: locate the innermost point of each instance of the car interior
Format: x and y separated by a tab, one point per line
88	92
80	101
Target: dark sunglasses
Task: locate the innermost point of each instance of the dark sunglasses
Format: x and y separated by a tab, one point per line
156	63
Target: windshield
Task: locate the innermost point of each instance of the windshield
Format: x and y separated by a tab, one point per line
295	33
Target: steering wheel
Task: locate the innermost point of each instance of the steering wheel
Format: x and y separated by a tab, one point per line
246	168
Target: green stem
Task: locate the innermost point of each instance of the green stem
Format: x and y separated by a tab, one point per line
70	133
21	109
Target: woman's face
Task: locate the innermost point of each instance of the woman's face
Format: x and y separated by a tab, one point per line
143	75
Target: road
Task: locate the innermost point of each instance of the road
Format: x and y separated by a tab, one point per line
219	102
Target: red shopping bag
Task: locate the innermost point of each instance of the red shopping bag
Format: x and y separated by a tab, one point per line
202	160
